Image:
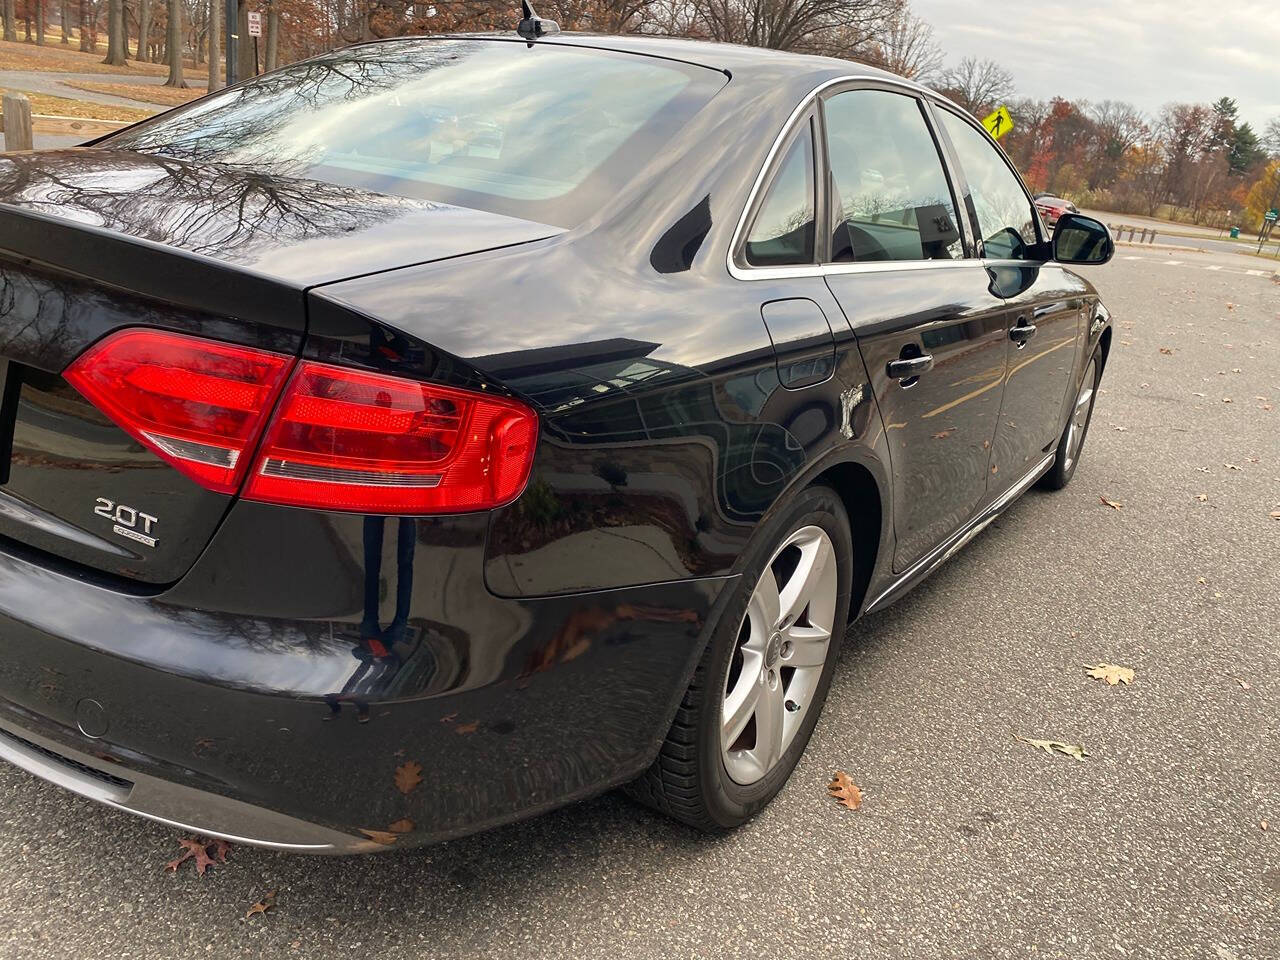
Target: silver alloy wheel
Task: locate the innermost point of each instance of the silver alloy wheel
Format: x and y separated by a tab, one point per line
1080	417
782	648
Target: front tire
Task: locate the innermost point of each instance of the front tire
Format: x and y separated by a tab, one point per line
761	683
1071	443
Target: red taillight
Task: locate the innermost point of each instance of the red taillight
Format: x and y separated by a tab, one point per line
349	440
340	439
199	405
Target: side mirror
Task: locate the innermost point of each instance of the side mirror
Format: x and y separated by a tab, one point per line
1081	239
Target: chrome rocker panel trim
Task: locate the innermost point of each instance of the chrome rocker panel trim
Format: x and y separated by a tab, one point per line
948	548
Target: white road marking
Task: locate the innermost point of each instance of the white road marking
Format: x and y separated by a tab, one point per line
1172	263
1256	273
1214	267
1135	258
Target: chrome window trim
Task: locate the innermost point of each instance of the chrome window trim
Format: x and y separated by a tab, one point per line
740	272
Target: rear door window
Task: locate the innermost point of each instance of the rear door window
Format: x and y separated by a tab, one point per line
891	198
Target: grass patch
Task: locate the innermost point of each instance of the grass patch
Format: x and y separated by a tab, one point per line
65	107
166	96
53	57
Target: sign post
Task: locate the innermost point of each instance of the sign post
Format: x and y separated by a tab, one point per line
255	31
232	11
999	122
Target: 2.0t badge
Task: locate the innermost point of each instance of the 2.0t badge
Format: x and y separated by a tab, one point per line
127	521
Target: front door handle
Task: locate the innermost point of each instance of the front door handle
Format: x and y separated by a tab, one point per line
1022	331
909	368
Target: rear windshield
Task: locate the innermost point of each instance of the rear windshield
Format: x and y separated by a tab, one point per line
543	132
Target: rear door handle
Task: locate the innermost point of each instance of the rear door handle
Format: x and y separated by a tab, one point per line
1022	331
909	368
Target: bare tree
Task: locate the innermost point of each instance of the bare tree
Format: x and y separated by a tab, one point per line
215	44
906	48
977	85
1271	137
116	48
810	26
10	20
173	45
64	21
144	30
272	56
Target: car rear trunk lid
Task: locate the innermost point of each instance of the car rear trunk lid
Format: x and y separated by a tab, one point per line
94	241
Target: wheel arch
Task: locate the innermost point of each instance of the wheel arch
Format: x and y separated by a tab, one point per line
858	490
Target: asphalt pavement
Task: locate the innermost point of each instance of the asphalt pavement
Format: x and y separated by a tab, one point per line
970	844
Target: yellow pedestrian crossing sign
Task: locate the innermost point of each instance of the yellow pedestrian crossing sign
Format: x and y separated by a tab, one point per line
999	123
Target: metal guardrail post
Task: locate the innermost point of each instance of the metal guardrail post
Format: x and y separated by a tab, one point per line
17	122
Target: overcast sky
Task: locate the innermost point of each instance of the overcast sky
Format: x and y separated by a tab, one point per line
1149	52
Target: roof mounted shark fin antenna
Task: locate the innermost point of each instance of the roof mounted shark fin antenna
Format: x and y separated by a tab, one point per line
532	26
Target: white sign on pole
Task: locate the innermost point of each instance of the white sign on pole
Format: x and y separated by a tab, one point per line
255	23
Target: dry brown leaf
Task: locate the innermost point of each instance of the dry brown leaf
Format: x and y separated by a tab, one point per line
1166	351
465	728
408	776
263	905
199	849
1114	505
943	434
383	837
844	791
1056	746
403	825
1110	672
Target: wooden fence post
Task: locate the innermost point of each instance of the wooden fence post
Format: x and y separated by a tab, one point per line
17	122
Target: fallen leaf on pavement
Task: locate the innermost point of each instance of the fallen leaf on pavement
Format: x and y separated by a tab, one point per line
1244	684
1226	399
263	905
1275	514
844	791
199	849
1202	497
1201	580
465	728
403	825
1264	825
1056	746
408	776
1166	351
942	434
1114	505
1232	466
1110	672
384	837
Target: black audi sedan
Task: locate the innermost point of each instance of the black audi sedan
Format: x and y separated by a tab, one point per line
442	430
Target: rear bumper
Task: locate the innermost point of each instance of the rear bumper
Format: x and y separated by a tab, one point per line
286	728
170	803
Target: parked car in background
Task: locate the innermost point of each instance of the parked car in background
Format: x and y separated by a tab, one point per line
441	430
1051	208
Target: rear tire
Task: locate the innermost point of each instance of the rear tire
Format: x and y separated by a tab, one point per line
1071	443
708	776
